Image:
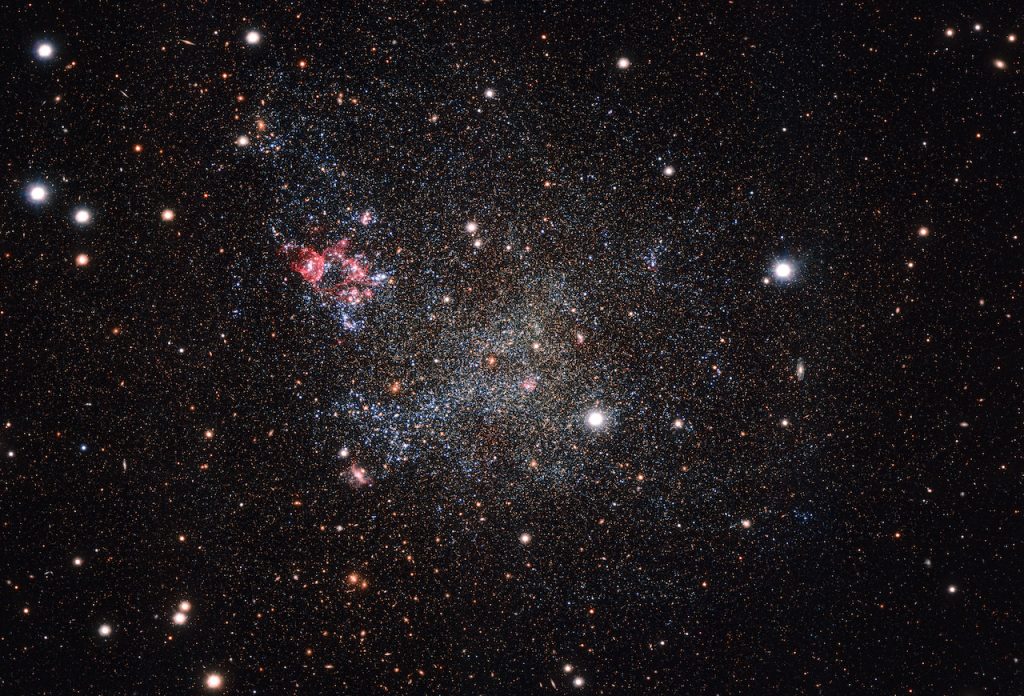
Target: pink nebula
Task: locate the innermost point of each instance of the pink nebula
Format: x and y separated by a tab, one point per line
347	275
309	264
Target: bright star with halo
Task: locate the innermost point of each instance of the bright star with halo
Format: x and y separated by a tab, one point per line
783	270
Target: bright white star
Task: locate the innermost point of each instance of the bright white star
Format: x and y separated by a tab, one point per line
783	270
37	193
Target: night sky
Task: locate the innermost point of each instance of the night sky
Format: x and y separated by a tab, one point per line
511	347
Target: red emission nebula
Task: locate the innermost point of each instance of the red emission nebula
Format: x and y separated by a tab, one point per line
347	275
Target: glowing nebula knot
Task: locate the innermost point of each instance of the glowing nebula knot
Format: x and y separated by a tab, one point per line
335	272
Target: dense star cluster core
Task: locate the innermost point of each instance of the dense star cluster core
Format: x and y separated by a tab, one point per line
495	347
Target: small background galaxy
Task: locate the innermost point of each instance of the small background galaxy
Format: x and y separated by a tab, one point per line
511	347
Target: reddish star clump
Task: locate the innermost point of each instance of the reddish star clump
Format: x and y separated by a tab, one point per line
308	263
334	272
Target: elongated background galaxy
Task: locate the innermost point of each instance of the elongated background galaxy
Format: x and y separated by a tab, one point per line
511	347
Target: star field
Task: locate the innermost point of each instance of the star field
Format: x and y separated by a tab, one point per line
496	347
